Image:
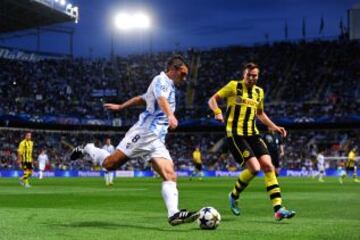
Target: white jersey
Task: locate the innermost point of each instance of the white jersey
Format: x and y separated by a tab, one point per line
154	119
320	162
42	159
109	148
320	159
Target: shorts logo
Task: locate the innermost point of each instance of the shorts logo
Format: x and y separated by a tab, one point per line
246	154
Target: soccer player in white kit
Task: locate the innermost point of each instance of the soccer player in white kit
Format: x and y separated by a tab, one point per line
43	159
146	138
321	165
108	175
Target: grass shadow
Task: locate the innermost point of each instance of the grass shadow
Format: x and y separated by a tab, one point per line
110	226
269	222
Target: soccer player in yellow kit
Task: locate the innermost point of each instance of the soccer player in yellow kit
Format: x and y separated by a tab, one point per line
245	102
25	159
351	165
197	163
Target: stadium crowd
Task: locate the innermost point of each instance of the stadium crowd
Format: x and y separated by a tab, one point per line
302	80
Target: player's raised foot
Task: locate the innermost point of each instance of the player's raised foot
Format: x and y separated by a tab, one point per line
183	216
283	213
234	205
77	153
356	180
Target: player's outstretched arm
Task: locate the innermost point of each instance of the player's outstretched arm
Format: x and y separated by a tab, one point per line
270	124
165	107
135	101
213	105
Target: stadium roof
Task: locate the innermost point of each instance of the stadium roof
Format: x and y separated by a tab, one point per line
16	15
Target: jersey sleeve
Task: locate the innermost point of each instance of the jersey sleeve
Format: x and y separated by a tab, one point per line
228	90
143	96
161	88
261	100
21	148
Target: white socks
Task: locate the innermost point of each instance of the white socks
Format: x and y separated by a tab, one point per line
97	155
170	195
108	176
111	177
41	175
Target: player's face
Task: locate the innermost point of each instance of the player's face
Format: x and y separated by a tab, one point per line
180	74
108	141
251	77
28	136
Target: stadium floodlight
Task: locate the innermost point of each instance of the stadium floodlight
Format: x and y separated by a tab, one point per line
62	2
125	21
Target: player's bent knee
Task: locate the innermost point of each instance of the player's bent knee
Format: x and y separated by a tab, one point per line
255	173
108	164
170	176
268	168
114	161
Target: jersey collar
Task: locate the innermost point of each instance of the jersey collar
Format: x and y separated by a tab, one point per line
163	74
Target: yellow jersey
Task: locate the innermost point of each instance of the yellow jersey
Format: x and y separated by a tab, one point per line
197	156
351	159
242	106
25	150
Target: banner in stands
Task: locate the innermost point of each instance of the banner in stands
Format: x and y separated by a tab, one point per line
183	173
73	120
22	55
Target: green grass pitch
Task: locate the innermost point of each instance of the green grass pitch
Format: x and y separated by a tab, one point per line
83	208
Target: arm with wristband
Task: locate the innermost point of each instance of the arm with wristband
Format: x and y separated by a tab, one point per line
227	91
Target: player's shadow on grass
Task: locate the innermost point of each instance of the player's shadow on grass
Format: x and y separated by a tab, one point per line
268	222
107	225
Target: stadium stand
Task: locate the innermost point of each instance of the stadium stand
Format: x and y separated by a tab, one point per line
305	89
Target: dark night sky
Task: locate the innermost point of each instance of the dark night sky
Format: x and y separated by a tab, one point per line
195	23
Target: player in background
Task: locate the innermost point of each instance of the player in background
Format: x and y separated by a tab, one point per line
320	159
43	160
245	102
341	171
25	159
351	165
196	156
275	145
146	139
108	175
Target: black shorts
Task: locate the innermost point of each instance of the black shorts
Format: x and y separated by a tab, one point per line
27	166
198	166
243	148
350	169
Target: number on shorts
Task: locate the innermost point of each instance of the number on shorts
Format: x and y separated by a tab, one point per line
135	138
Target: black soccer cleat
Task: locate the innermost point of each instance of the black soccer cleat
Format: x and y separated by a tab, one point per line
77	153
183	216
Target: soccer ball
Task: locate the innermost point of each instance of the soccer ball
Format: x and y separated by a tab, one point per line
209	218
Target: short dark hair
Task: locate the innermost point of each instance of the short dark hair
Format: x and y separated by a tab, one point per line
250	66
175	61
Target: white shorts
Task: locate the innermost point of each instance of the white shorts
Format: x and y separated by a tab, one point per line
142	143
321	167
41	167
